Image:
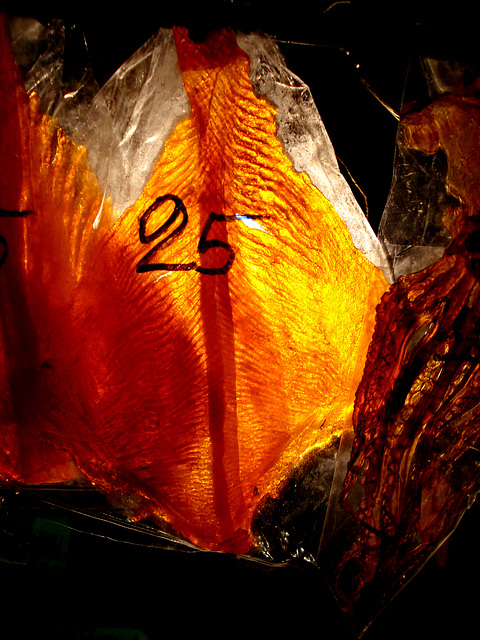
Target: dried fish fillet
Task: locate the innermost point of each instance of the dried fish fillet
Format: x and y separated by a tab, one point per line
184	355
414	467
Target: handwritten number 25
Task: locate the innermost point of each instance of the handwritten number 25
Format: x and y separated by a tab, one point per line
204	244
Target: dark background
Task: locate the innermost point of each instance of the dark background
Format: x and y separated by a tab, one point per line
102	579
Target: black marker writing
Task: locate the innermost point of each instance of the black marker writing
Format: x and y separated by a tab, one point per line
205	243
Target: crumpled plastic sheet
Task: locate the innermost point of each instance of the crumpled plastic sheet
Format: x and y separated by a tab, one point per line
411	228
125	125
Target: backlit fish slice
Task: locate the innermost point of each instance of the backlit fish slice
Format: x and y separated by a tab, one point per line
215	333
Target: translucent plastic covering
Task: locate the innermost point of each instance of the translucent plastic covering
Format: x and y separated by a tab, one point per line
412	229
125	124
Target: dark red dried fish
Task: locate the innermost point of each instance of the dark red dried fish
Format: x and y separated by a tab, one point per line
415	460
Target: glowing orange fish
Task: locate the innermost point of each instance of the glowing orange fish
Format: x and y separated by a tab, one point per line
188	354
